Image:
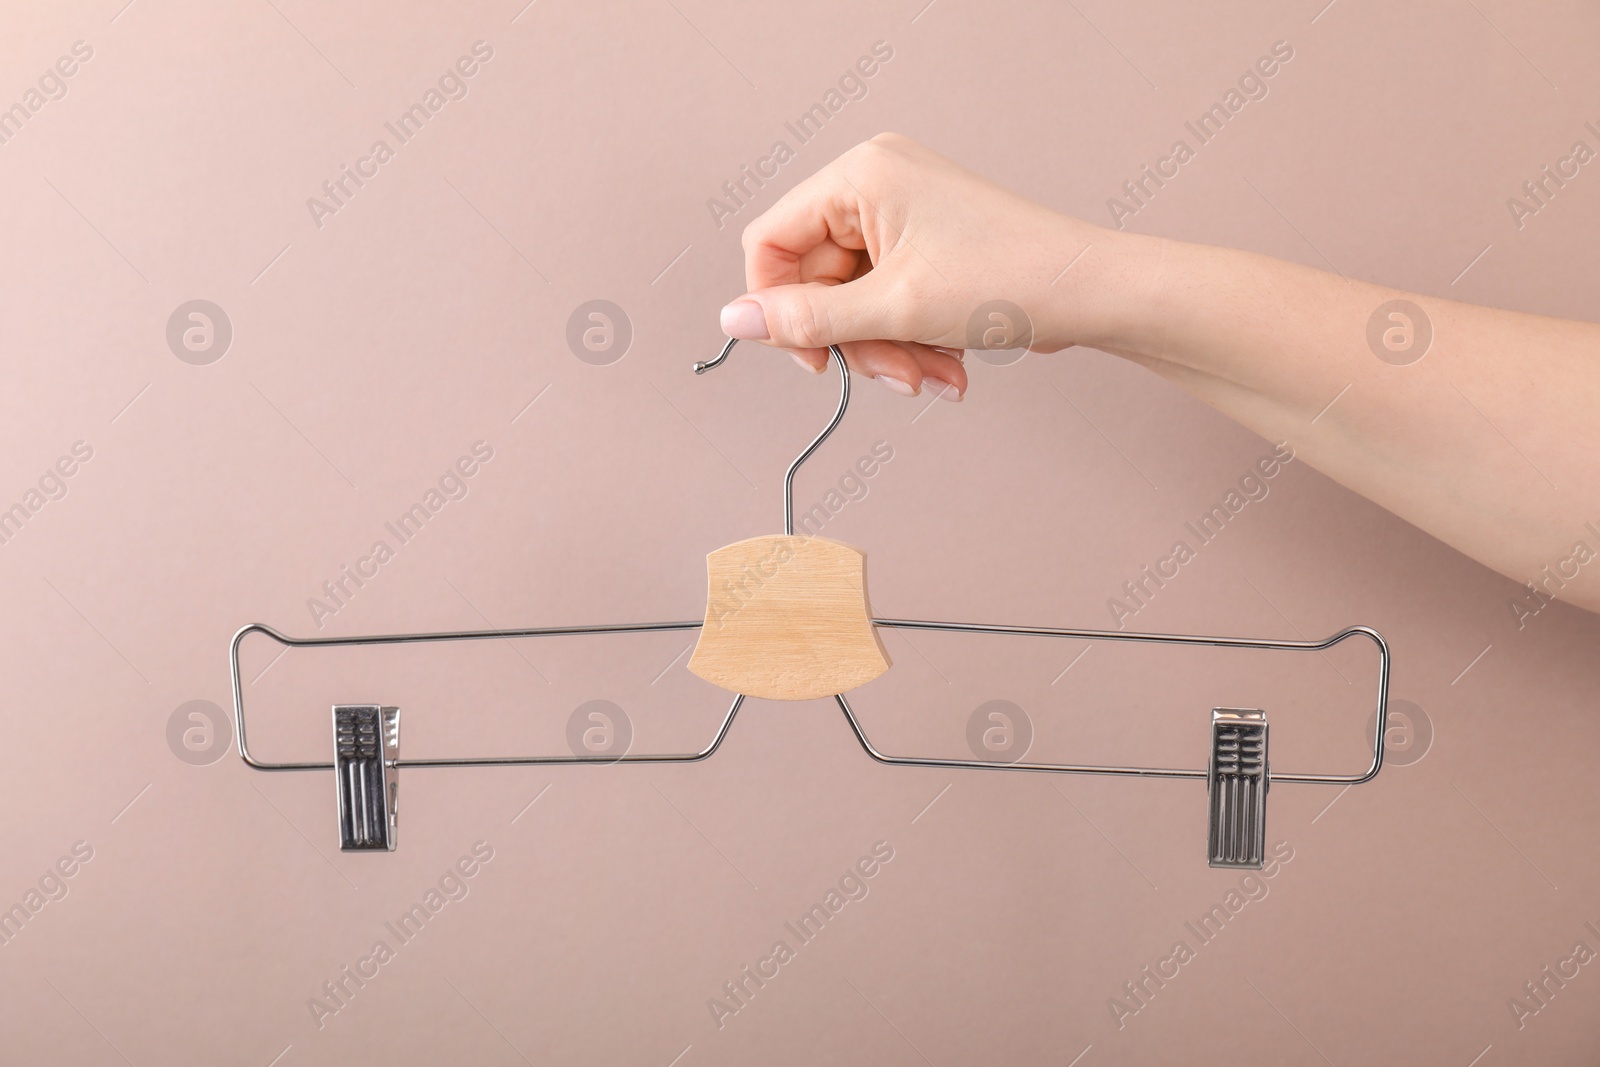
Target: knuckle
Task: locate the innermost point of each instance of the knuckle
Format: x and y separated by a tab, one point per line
903	305
873	156
750	236
803	324
887	149
882	167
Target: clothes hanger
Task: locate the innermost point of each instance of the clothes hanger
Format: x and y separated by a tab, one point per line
795	624
787	617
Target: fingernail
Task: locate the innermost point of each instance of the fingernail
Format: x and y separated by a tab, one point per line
895	385
808	366
745	320
954	353
943	390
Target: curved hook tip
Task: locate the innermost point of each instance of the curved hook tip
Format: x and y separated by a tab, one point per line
701	368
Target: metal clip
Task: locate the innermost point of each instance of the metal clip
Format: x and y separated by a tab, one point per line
1237	780
366	744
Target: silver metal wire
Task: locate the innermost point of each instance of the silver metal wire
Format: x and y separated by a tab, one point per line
1166	639
844	402
844	705
458	635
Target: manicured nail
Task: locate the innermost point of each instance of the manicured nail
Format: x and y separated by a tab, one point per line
954	353
804	363
745	320
895	385
942	390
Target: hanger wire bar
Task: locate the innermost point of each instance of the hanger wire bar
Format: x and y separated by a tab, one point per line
1379	727
850	716
457	635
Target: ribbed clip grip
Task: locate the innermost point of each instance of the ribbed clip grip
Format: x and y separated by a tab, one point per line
366	742
1237	780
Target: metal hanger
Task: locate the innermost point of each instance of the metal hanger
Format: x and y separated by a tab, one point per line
366	736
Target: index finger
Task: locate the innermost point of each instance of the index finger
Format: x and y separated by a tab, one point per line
813	233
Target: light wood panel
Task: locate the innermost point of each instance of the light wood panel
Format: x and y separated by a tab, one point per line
787	618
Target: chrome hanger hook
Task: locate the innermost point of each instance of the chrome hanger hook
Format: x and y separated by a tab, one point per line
844	401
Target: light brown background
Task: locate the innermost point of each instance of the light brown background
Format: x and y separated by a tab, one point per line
370	353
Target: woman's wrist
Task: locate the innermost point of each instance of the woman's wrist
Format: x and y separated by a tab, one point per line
1112	295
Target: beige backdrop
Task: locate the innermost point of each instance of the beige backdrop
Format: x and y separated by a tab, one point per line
227	466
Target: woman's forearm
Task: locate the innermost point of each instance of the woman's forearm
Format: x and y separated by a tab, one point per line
1480	426
1488	437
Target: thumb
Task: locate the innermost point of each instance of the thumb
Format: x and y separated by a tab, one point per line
811	314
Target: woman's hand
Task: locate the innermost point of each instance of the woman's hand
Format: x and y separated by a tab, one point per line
900	257
892	251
